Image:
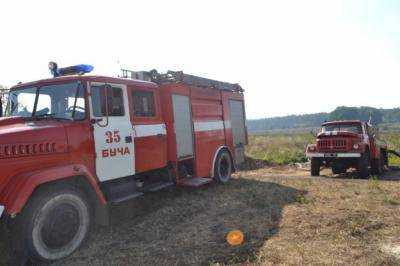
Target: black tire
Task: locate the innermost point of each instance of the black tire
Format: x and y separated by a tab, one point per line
377	166
223	167
315	166
363	165
55	223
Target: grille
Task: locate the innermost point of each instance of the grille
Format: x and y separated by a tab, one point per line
332	144
16	150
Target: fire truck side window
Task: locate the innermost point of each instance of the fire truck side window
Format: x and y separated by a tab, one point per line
143	103
114	100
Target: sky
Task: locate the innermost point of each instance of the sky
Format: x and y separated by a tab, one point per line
291	57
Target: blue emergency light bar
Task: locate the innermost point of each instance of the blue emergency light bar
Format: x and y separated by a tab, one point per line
71	70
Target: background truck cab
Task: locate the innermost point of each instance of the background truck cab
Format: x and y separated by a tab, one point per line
73	144
348	144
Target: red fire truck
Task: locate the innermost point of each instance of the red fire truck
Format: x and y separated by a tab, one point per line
72	145
348	144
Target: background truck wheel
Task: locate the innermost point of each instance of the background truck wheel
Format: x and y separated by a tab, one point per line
55	223
363	165
315	166
223	167
377	166
385	159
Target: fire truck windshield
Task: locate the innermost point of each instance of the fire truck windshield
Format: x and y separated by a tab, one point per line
59	101
353	128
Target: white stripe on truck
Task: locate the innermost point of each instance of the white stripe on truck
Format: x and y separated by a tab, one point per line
149	130
208	125
156	129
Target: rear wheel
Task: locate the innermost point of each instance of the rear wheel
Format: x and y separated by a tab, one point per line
363	165
385	159
55	223
223	167
315	166
377	166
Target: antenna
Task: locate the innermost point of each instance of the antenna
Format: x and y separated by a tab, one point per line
119	67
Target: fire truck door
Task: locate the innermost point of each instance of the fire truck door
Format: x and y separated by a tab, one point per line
183	126
112	131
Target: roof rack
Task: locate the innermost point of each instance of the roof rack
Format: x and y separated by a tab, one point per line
180	77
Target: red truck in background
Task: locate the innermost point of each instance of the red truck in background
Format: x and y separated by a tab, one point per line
348	144
74	144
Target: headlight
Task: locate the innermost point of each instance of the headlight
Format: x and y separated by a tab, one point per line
311	148
356	146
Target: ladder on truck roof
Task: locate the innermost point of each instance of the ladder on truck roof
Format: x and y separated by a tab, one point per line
180	77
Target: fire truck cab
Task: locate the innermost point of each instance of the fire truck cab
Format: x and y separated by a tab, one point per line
73	144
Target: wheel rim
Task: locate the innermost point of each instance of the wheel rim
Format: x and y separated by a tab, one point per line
224	169
60	226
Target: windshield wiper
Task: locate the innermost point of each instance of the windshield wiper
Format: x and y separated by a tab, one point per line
45	115
51	115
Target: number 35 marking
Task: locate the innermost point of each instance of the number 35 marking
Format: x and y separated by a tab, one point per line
113	136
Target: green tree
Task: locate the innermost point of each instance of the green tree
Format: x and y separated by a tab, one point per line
357	113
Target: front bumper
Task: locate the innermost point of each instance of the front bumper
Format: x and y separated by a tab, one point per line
333	155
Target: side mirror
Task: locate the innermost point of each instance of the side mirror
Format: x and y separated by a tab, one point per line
95	120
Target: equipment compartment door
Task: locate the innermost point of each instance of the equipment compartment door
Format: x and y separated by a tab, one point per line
183	125
112	131
238	129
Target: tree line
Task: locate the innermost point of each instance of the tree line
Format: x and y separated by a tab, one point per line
378	116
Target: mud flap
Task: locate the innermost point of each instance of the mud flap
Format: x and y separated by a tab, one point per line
102	215
11	236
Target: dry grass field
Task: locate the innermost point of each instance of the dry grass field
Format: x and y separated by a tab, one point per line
287	217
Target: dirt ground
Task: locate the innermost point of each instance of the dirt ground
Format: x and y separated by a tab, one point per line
287	218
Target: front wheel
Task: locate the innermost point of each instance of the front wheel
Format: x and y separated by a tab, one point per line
223	167
315	166
57	222
363	165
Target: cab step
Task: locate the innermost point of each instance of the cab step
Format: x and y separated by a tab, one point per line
121	190
157	186
195	181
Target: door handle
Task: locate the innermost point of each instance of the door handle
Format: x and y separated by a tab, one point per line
95	120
